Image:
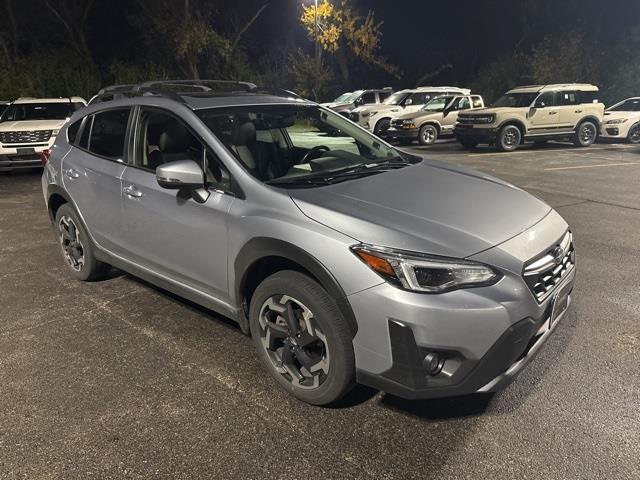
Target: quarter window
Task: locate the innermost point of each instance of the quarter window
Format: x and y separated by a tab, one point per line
108	133
72	132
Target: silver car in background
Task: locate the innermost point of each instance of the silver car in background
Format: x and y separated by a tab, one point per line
346	259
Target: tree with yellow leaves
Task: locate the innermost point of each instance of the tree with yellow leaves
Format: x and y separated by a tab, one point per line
341	32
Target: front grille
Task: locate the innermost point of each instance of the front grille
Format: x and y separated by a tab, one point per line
397	123
544	274
466	120
613	131
37	136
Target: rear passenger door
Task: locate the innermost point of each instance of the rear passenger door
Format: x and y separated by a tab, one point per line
91	174
569	109
167	231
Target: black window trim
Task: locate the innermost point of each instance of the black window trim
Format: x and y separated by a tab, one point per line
234	191
89	118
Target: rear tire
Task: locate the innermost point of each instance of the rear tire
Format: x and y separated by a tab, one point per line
509	138
302	338
634	135
77	249
428	135
586	134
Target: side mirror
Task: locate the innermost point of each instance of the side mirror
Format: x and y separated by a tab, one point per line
180	174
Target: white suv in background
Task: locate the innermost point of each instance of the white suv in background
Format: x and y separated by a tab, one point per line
622	121
29	126
377	117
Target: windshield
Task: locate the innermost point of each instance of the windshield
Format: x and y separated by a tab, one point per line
396	98
350	98
342	97
631	105
516	100
437	104
281	144
40	111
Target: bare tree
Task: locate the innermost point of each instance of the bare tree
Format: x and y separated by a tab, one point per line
73	14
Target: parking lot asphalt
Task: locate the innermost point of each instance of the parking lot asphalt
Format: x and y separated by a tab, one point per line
118	379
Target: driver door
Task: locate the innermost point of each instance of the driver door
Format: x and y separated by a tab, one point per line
544	115
167	231
451	113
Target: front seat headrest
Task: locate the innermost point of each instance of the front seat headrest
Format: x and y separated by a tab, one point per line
175	139
243	134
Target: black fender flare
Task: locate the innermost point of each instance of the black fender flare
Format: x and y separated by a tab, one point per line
513	121
53	189
259	248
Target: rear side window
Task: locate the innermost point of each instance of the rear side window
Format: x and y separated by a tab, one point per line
72	132
567	98
108	133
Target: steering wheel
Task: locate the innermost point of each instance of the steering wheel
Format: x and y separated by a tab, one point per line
313	152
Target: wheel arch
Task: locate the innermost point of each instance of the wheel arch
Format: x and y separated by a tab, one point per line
56	197
264	256
589	118
514	121
435	123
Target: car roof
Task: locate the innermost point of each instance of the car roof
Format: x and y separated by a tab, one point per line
197	94
24	100
557	86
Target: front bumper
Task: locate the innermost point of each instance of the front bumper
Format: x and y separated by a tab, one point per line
393	132
23	156
475	133
614	131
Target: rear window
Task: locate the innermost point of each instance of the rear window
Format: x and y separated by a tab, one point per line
108	133
72	131
40	111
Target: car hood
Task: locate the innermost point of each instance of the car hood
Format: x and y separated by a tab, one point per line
337	105
421	115
485	110
616	115
31	125
432	207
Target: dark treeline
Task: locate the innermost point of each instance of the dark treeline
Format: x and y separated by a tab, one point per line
65	47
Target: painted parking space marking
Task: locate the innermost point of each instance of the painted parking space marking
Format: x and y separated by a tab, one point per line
574	167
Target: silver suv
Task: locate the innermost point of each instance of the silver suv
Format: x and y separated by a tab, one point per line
346	259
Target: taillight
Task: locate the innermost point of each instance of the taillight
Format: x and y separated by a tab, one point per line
44	156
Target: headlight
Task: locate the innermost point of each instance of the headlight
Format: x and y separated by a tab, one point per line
408	124
55	133
423	273
616	121
366	114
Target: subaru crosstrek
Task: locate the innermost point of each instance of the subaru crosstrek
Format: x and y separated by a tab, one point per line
346	259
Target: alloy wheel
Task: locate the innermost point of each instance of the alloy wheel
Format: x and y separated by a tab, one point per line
634	135
428	135
72	247
587	133
295	345
511	137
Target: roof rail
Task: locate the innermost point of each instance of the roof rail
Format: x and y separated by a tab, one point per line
178	89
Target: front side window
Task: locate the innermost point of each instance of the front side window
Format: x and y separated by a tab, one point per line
367	98
419	98
460	103
108	133
546	99
164	138
516	100
632	105
291	144
40	111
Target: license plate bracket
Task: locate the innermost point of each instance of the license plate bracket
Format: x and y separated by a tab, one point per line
25	151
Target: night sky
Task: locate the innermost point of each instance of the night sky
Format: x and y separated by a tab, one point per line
419	35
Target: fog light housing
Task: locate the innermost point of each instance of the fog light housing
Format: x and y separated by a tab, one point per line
433	363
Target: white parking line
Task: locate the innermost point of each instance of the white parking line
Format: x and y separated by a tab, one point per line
591	166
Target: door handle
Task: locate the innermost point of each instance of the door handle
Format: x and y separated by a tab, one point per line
578	111
553	113
72	174
132	191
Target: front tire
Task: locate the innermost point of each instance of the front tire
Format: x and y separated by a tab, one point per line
586	134
302	338
634	135
77	250
509	138
381	126
428	135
